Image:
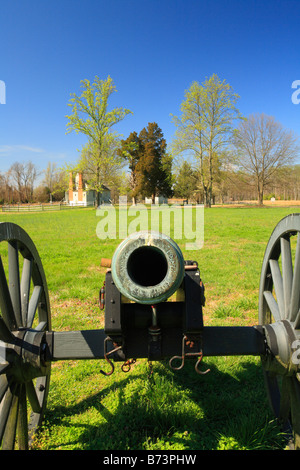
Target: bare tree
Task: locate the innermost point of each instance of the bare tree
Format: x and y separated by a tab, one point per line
7	192
23	176
50	175
55	182
263	146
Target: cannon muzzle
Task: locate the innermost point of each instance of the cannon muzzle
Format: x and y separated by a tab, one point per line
147	267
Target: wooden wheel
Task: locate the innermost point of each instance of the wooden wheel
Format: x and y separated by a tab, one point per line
279	303
25	317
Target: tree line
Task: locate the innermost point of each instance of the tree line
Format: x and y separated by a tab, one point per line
217	155
20	183
17	185
216	152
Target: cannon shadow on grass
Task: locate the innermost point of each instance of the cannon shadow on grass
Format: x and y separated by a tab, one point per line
172	411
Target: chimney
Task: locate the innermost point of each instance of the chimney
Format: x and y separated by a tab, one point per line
71	187
80	194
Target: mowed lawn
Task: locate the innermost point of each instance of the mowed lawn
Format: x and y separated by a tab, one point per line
156	409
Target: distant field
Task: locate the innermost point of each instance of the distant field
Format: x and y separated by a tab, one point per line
225	409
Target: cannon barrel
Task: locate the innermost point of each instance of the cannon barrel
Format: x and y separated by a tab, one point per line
147	267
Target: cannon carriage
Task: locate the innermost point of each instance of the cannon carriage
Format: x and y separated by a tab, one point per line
153	301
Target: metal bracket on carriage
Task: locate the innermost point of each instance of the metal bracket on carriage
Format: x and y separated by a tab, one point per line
190	348
118	353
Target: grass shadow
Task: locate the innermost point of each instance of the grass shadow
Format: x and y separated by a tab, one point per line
173	411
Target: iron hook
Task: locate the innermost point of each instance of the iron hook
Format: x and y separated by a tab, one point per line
174	358
198	363
108	360
184	355
111	365
179	357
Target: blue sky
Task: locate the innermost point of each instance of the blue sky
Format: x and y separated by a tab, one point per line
153	50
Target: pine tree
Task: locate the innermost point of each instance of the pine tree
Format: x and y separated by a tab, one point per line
154	165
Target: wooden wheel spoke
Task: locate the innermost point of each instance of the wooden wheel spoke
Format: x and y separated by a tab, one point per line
272	304
5	334
32	397
9	435
6	305
3	386
14	280
287	273
295	294
33	305
13	416
295	410
42	326
273	392
4	367
23	420
278	286
25	287
285	402
6	407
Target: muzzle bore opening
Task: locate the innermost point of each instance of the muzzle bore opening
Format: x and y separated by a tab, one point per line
147	266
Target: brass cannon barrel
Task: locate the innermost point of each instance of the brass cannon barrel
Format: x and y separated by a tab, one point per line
147	267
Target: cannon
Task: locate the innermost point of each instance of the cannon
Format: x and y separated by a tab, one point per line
153	301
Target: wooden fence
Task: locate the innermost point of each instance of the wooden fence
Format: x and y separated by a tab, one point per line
38	207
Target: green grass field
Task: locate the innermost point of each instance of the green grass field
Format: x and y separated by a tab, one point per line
165	410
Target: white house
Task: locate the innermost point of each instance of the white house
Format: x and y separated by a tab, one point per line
157	200
84	196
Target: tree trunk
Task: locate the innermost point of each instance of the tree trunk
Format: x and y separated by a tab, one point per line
260	193
209	195
207	202
210	173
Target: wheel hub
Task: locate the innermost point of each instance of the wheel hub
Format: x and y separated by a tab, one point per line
26	355
282	345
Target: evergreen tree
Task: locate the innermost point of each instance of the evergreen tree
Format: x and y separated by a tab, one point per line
186	181
154	164
131	151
